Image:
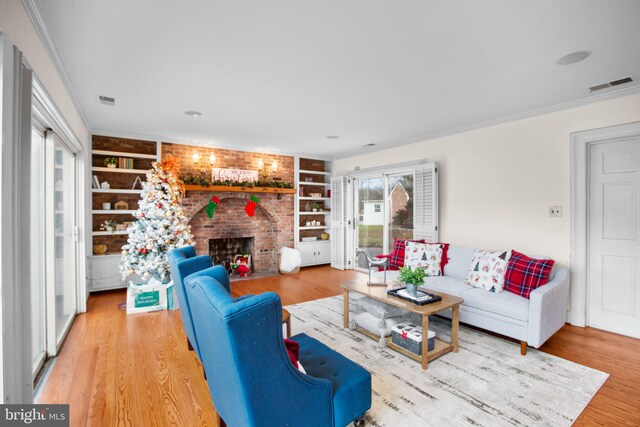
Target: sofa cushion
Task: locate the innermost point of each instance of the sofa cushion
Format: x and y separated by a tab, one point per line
524	274
487	270
397	256
424	255
459	261
447	285
503	303
351	382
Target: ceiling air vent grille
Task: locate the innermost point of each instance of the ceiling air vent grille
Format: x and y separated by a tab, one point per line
611	84
107	100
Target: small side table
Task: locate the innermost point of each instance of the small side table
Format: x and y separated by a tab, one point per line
286	319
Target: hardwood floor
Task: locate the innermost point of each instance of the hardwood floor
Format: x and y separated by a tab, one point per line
136	370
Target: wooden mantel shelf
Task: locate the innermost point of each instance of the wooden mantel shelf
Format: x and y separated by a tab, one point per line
227	188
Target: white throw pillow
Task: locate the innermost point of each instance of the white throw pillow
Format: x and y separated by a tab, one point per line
425	255
488	269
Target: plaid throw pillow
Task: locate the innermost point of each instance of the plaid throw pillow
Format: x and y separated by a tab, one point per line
397	256
525	274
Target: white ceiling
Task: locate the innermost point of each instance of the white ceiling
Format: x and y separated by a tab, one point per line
282	75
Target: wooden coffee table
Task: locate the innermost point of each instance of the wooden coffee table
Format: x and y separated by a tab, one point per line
379	293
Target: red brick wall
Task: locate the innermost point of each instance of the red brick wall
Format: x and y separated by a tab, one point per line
117	181
272	225
228	159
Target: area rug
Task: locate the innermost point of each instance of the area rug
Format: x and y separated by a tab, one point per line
487	383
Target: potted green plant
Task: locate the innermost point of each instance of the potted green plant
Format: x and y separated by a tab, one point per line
108	225
111	162
412	278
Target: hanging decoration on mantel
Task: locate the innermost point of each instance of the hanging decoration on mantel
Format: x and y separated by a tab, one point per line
251	206
204	182
211	207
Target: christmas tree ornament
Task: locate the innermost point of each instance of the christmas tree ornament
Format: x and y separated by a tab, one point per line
211	207
251	206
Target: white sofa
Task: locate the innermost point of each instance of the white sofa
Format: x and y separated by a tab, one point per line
531	321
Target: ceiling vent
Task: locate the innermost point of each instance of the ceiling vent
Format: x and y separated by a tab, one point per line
107	100
611	84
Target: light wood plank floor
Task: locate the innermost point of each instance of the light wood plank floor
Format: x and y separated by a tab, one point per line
136	370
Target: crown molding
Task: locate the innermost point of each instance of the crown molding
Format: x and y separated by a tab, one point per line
47	41
504	119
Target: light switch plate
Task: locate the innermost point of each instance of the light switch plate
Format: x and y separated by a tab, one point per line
555	211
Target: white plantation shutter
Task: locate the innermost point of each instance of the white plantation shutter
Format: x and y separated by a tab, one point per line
425	203
339	222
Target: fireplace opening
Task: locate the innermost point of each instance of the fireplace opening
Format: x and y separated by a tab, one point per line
224	251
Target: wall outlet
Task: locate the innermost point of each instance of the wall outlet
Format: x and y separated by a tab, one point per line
555	211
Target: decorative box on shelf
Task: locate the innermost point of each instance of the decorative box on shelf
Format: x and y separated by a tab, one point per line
409	336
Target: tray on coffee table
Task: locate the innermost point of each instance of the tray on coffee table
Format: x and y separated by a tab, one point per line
423	297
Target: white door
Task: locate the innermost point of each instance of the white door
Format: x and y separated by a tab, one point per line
614	240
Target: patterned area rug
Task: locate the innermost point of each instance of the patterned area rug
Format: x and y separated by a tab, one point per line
487	383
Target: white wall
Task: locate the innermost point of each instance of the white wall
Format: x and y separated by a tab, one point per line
15	22
496	183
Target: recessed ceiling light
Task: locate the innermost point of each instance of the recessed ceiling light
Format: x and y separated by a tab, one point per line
574	57
332	137
193	113
371	144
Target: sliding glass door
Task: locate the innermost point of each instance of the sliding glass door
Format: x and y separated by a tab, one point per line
53	249
383	212
370	217
400	199
61	234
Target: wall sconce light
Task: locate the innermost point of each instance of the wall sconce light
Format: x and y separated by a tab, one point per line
200	163
264	171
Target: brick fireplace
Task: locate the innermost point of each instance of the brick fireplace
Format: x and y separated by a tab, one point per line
271	227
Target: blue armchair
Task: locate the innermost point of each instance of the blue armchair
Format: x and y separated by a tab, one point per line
251	379
183	262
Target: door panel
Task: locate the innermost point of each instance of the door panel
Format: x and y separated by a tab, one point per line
37	236
61	241
323	252
370	217
614	244
307	253
400	207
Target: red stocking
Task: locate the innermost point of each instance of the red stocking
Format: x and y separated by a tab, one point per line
250	208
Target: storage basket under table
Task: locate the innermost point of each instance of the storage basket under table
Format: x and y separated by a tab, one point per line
409	336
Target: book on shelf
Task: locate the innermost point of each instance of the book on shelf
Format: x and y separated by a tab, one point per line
125	163
95	182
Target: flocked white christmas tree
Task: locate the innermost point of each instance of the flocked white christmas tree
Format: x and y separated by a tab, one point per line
161	225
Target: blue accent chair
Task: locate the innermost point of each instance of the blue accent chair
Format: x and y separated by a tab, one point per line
183	262
251	379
